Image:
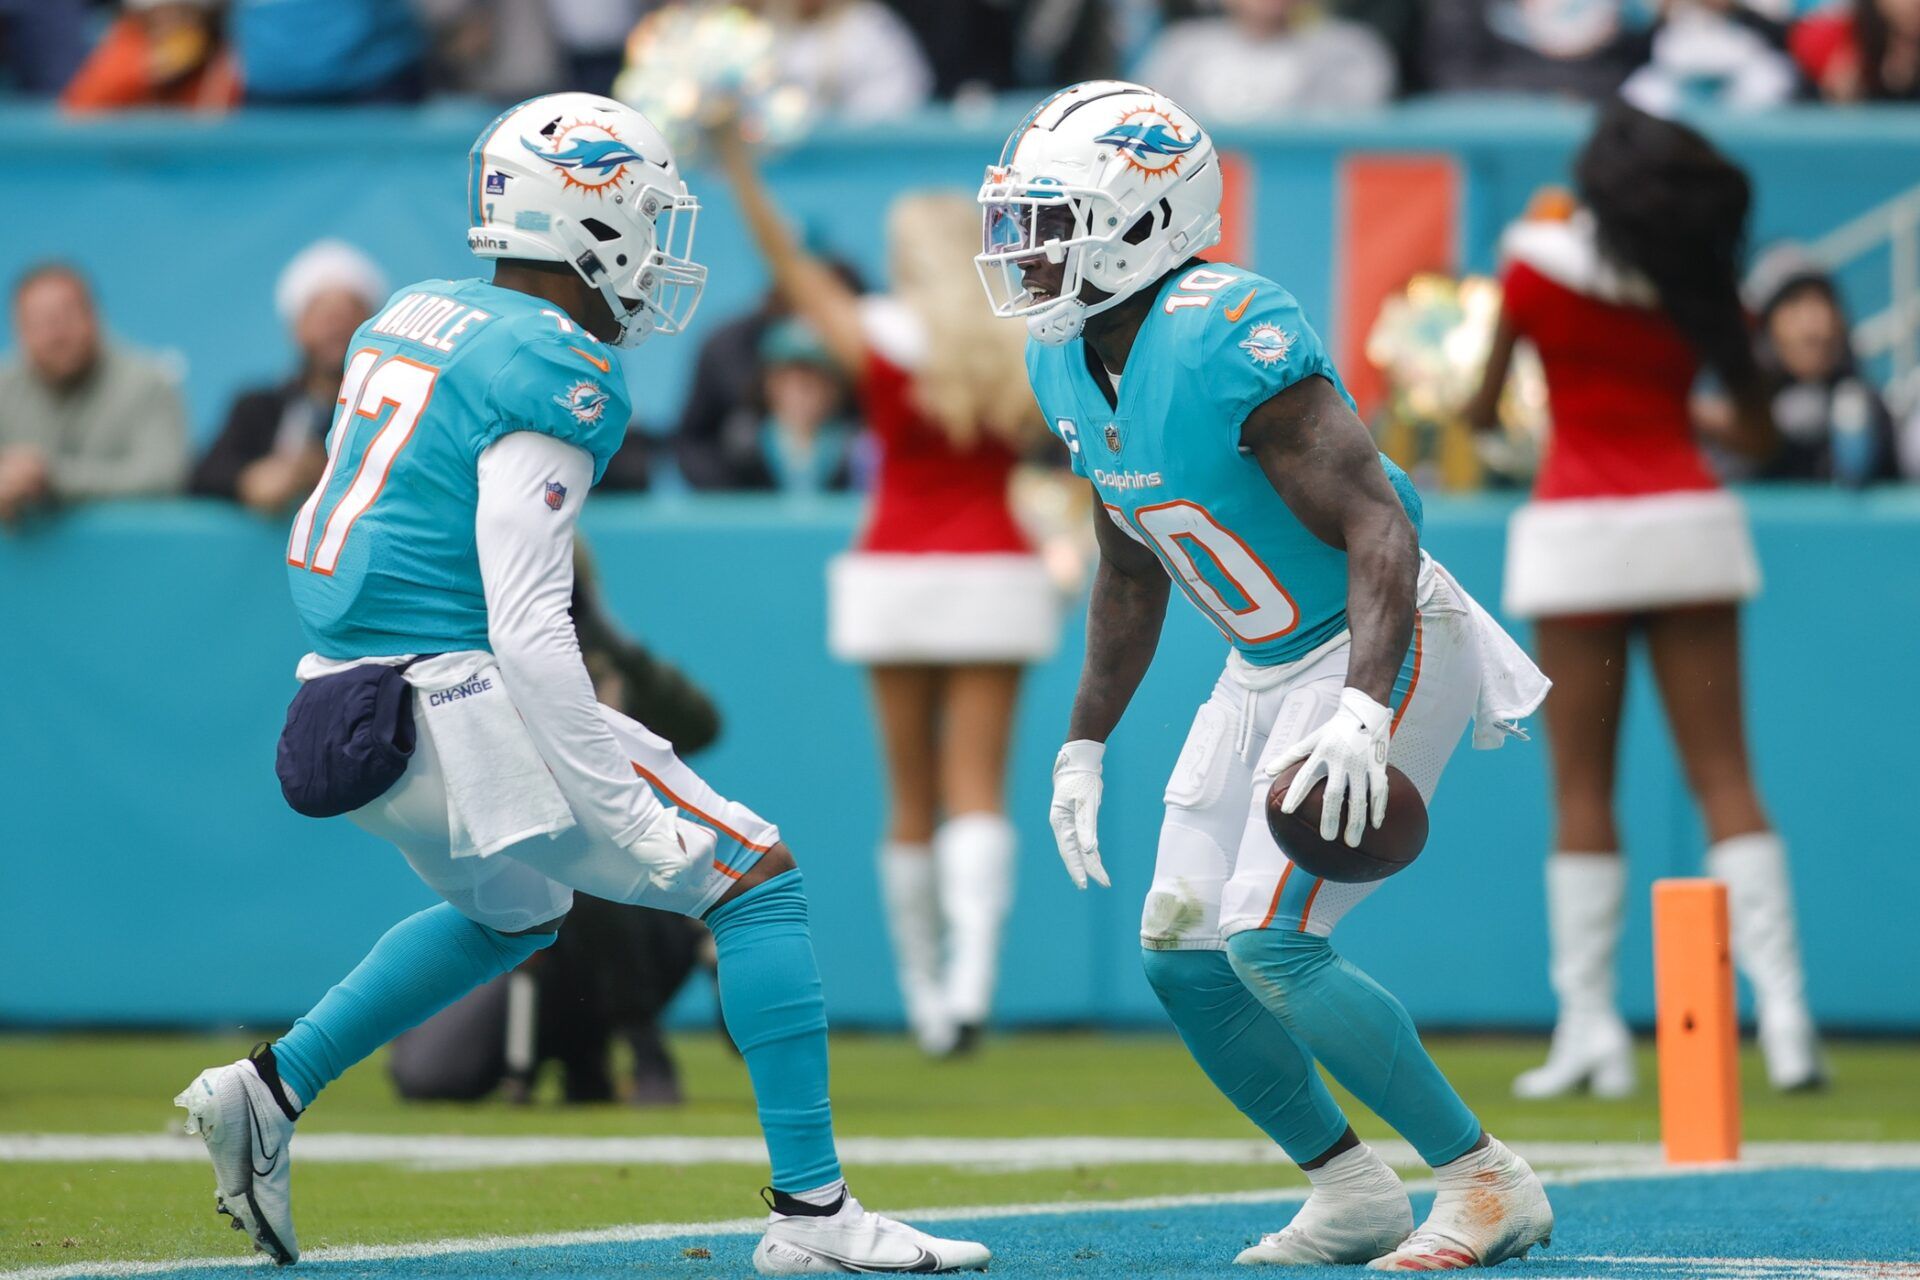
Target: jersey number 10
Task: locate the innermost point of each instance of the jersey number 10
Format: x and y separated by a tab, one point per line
370	387
1218	571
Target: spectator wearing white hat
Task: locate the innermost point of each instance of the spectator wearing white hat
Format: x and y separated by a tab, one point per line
273	447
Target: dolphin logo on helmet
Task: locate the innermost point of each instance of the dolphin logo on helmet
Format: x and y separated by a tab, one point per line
1147	143
604	156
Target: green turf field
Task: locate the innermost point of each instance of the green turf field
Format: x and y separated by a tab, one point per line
1024	1086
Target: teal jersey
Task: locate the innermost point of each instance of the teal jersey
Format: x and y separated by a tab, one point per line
381	558
1167	463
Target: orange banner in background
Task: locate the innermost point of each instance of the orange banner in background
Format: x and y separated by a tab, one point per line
1236	211
1398	216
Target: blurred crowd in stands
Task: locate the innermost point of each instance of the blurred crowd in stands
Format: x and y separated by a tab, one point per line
84	418
1226	60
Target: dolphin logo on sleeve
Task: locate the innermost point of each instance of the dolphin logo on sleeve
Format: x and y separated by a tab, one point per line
586	402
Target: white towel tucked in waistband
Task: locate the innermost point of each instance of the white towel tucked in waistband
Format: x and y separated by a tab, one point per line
499	790
1511	686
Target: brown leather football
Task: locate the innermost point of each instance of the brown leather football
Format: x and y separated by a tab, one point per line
1383	850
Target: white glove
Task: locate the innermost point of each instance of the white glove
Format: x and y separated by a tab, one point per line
671	848
1350	751
1076	811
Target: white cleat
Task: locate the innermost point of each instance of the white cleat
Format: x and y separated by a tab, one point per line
1358	1211
248	1136
1591	1053
1490	1207
853	1239
934	1030
1791	1048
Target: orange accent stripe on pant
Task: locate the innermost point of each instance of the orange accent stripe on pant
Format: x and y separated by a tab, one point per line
1413	681
1308	909
1277	891
674	800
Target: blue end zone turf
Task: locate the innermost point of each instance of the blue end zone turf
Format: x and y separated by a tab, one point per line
1721	1226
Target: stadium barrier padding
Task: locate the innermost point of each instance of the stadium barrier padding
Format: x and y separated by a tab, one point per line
152	874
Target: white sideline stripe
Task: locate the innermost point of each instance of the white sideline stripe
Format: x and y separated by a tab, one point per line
661	1231
1882	1269
448	1151
1713	1267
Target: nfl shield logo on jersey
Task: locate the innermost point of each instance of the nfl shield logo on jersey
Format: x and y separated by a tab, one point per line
556	494
1113	437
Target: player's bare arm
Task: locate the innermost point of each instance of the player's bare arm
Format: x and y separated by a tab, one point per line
1322	462
1482	411
1124	616
805	282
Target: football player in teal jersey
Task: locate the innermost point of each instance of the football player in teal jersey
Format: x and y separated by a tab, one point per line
432	569
1227	459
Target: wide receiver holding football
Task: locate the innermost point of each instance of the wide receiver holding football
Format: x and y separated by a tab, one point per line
1227	458
433	572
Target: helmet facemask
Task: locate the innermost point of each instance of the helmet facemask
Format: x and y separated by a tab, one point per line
659	287
1069	227
1107	248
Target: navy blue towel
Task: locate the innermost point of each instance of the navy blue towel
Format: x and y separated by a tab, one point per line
347	740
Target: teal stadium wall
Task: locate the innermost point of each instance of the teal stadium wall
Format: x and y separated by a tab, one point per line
152	874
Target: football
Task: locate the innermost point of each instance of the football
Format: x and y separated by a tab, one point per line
1383	850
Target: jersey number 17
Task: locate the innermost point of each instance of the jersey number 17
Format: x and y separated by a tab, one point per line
369	388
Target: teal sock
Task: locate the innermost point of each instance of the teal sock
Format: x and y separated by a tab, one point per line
421	965
770	998
1246	1051
1360	1032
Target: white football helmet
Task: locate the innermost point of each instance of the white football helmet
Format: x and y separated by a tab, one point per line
581	179
1134	185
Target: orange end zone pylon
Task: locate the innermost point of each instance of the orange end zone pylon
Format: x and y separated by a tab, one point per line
1698	1037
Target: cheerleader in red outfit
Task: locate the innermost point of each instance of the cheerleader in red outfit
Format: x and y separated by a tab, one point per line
1629	533
942	599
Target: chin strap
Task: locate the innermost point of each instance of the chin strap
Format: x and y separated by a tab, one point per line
1074	313
1064	319
1059	323
636	323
